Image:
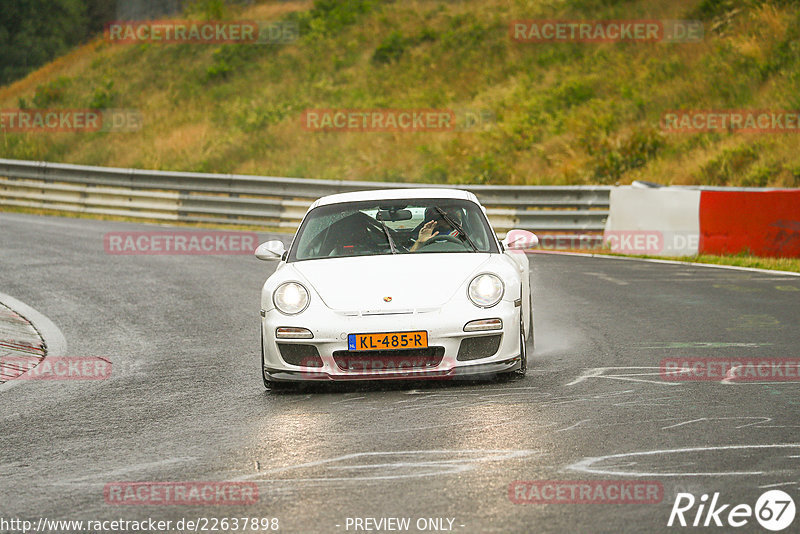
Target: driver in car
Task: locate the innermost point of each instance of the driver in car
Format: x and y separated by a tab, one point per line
436	226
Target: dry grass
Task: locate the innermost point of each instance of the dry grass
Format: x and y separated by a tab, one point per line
772	264
69	64
248	120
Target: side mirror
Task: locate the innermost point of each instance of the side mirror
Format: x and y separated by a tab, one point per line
270	251
520	240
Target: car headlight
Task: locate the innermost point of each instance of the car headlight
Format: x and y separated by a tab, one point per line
485	290
290	298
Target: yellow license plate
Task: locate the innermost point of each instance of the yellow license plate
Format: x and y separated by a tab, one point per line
388	341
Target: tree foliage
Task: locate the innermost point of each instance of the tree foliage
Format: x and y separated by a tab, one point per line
32	32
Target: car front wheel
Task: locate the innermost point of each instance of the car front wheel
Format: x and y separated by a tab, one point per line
523	349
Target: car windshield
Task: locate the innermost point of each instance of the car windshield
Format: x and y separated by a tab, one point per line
378	227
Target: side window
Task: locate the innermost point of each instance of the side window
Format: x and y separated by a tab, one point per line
317	233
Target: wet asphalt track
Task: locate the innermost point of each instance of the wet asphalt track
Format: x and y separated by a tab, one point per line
185	401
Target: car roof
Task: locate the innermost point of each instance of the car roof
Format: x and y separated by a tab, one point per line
391	194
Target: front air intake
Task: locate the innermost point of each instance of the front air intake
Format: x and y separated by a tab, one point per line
300	354
475	348
389	360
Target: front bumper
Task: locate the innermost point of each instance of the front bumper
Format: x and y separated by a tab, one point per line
445	327
463	372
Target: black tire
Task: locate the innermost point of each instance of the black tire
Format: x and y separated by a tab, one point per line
531	342
523	349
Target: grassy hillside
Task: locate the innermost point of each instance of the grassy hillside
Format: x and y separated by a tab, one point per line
565	113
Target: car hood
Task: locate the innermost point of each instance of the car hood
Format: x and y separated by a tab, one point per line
412	281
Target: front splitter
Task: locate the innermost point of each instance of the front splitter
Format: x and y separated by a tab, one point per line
471	371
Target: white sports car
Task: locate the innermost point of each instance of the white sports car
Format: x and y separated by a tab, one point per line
395	284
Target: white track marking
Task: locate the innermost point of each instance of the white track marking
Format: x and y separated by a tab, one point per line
597	372
55	343
607	278
106	475
586	464
761	420
573	426
406	464
670	262
348	400
700	345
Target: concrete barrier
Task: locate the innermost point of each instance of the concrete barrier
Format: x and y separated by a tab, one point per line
658	222
684	221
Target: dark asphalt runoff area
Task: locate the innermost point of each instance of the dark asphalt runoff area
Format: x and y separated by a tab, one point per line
185	401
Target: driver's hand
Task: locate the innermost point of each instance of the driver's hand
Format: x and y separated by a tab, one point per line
425	233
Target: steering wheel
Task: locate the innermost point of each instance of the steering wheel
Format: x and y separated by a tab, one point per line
442	238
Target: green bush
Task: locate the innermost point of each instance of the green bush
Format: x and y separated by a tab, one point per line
730	164
708	9
487	170
328	17
390	49
570	94
207	9
613	157
786	54
51	93
434	173
465	32
796	176
219	70
761	175
104	96
251	118
427	35
229	58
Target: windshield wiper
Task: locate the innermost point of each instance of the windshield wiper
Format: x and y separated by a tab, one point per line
457	227
388	236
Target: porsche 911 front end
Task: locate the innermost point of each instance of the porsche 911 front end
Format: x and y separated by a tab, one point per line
386	303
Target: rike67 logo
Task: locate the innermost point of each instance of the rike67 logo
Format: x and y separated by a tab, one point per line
774	510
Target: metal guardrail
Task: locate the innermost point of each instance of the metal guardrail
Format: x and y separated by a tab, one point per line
267	200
